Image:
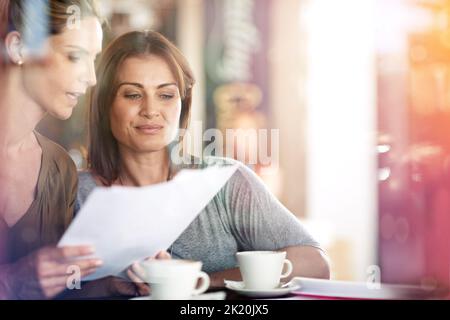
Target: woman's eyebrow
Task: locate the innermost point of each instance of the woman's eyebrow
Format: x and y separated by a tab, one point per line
166	85
135	84
83	50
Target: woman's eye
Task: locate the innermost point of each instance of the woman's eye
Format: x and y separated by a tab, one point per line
74	57
132	96
166	96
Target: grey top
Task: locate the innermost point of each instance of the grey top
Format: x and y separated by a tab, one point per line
244	215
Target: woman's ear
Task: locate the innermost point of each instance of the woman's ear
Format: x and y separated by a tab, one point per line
14	47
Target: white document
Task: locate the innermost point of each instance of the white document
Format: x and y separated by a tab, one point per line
128	224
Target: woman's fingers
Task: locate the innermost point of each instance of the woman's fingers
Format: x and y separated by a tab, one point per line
53	268
133	277
87	264
76	251
143	288
64	279
163	255
66	253
125	288
52	286
136	273
52	282
87	272
139	271
53	291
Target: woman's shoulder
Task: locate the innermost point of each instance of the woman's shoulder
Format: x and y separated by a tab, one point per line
242	170
194	162
210	161
243	176
243	179
57	157
243	173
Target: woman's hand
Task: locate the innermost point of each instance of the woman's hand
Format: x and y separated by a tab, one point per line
116	286
137	274
44	273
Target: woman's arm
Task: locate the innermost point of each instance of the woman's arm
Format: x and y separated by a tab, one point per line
217	278
307	261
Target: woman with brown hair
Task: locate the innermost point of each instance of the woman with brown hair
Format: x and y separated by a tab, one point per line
47	53
142	100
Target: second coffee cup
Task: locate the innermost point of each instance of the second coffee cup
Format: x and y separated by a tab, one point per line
262	270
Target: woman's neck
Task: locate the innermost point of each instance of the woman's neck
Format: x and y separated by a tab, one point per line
142	169
19	114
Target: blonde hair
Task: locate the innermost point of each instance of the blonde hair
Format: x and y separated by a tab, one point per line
14	16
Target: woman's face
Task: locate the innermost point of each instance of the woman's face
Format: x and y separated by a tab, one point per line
57	81
146	110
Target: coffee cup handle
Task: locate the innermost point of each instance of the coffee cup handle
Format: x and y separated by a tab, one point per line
204	285
289	269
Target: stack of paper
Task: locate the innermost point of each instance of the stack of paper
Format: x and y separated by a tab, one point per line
327	289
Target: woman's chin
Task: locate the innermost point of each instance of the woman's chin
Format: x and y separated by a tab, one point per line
61	114
150	148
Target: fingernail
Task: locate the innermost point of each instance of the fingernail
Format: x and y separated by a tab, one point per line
90	249
98	263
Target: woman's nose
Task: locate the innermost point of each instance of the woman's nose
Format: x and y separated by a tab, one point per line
89	77
149	108
92	79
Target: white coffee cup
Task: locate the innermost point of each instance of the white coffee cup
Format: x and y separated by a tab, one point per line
175	279
262	270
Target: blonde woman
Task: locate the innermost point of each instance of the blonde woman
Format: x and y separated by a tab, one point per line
38	180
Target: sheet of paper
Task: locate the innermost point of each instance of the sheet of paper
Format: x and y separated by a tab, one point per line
127	224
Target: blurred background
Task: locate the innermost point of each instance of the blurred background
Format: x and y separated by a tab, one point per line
359	91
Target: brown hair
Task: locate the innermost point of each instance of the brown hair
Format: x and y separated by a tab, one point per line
14	16
103	154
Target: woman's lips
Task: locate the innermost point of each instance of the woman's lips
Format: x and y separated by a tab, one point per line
149	129
73	97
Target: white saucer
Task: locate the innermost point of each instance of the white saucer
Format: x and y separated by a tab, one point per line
282	290
220	295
